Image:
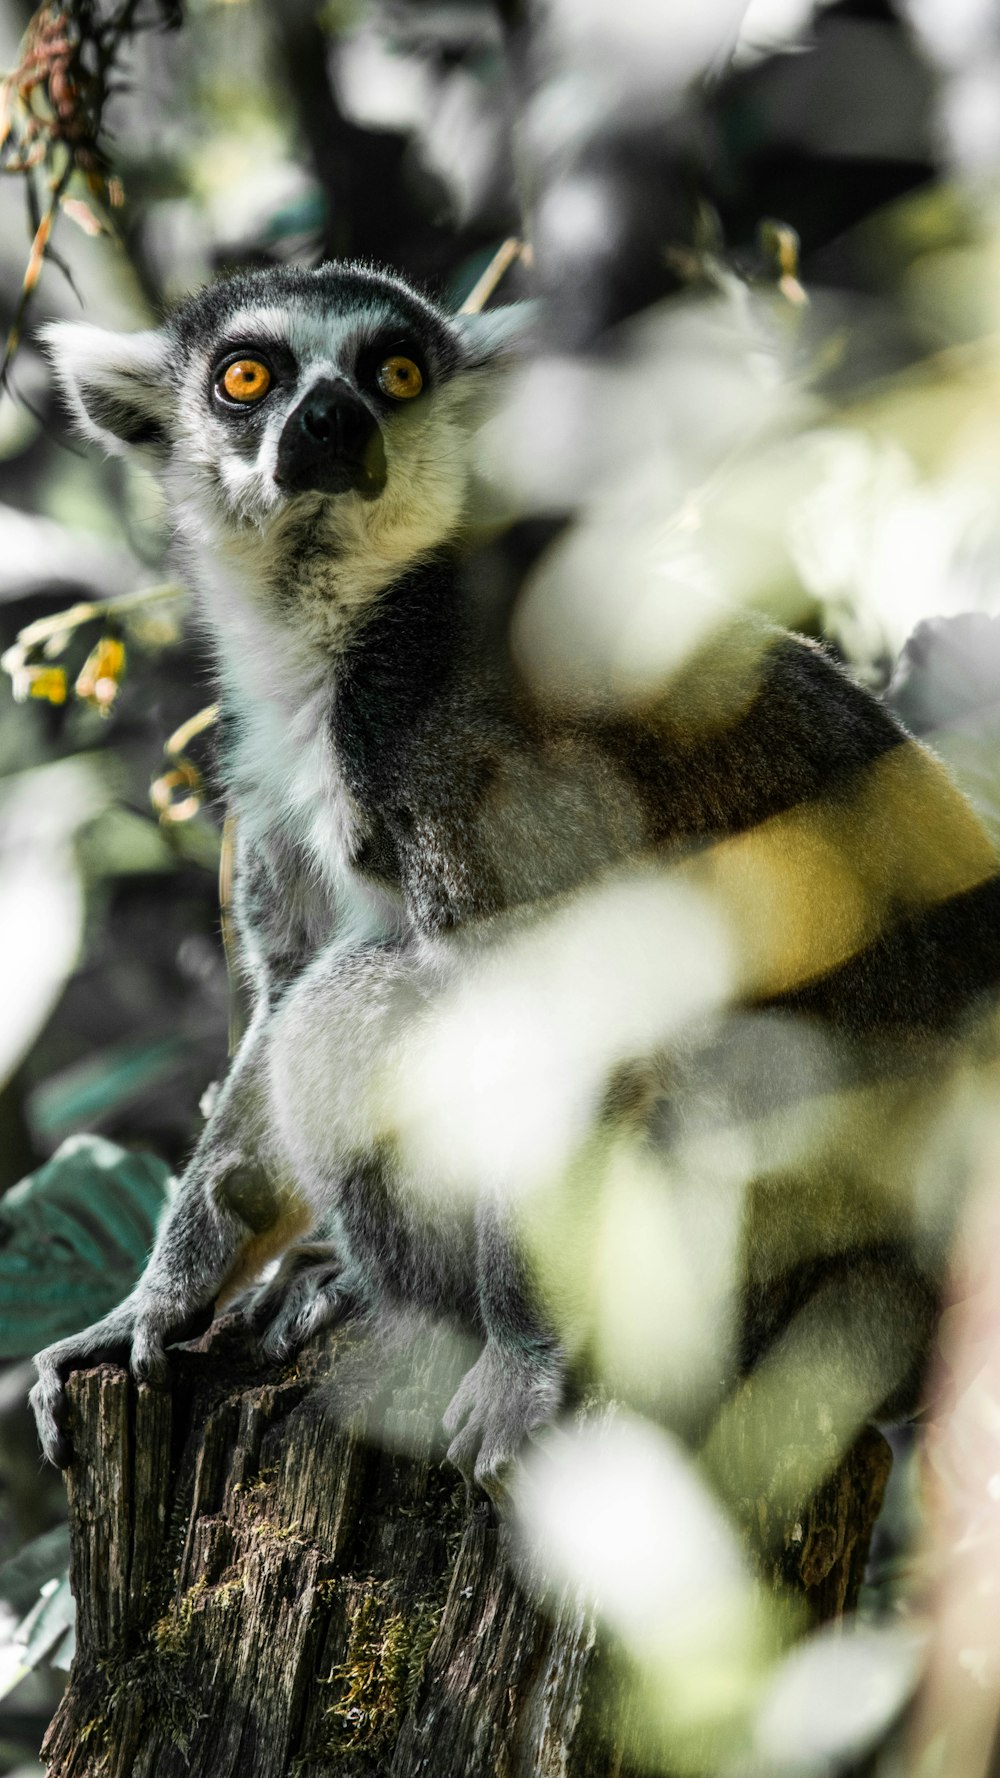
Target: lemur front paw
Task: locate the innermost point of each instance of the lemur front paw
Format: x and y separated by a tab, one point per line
135	1334
307	1292
507	1395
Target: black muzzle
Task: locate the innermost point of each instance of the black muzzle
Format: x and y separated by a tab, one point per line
330	444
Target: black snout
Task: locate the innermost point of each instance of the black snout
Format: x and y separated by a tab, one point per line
331	443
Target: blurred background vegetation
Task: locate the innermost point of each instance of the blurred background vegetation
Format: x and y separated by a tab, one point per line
836	447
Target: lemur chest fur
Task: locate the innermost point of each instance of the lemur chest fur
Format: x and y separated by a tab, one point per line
303	839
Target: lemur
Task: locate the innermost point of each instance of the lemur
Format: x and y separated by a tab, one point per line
404	794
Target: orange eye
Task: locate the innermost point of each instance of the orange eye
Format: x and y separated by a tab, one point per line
400	378
246	380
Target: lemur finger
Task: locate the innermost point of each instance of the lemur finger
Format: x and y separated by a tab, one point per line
462	1454
493	1471
50	1407
160	1325
148	1362
106	1340
461	1406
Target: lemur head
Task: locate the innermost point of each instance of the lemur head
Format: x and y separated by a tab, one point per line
299	418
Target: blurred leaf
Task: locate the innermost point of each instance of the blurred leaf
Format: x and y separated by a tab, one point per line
834	1695
946	688
121	843
46	1633
24	1575
948	671
972	755
41	897
106	1083
40	554
73	1240
41	919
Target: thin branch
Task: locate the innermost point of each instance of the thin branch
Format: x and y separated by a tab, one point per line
505	256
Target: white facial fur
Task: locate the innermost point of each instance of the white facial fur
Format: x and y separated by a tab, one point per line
328	555
347	547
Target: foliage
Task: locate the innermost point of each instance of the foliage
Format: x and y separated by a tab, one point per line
73	1240
823	449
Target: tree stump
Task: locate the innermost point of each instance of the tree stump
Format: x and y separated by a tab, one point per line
264	1593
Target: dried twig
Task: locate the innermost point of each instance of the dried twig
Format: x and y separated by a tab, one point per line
505	256
51	121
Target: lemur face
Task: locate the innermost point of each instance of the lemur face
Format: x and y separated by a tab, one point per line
282	405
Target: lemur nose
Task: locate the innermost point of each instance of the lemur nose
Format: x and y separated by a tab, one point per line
333	415
331	443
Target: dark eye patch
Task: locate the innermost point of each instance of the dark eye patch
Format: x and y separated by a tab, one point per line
390	342
279	359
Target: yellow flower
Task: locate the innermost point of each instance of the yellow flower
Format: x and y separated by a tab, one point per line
40	682
101	673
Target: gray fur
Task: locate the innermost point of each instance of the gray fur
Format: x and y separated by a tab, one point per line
402	802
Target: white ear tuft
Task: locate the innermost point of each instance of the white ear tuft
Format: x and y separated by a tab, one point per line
497	333
116	384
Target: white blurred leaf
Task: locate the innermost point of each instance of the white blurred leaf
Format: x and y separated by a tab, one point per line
618	1509
652	44
36	552
833	1696
41	919
502	1083
41	895
47	1633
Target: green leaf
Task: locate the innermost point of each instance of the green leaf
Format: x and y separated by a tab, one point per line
119	843
103	1084
73	1240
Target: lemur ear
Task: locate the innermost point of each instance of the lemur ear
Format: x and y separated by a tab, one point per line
498	333
116	384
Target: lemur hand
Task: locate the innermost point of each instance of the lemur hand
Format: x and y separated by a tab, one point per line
133	1334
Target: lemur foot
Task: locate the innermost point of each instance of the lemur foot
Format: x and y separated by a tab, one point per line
135	1334
505	1397
307	1292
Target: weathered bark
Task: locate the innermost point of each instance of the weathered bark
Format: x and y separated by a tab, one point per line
263	1593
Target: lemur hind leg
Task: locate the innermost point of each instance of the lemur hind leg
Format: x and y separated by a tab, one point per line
400	1241
232	1212
310	1290
518	1383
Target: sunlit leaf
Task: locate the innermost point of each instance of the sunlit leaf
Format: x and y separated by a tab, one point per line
833	1695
